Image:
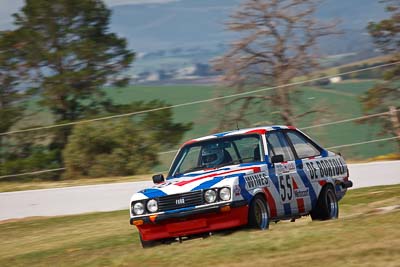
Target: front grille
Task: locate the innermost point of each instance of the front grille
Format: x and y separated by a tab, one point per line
175	201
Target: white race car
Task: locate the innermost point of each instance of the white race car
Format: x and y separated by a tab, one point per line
249	176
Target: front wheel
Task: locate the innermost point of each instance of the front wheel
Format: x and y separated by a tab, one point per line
258	213
327	205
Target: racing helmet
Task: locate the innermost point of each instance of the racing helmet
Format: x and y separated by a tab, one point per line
212	156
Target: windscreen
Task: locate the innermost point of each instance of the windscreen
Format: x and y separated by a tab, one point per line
217	153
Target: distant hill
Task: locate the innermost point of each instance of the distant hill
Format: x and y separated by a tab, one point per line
198	23
172	38
178	39
180	34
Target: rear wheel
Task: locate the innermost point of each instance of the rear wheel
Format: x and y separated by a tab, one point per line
327	206
258	213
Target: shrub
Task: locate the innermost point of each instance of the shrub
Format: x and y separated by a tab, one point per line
111	148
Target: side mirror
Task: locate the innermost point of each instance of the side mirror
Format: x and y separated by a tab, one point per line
277	159
158	178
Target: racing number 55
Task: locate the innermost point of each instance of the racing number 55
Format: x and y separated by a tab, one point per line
286	188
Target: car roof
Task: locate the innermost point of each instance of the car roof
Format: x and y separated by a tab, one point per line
256	130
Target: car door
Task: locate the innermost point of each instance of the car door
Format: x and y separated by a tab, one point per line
282	173
307	157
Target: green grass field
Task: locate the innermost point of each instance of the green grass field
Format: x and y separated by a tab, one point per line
364	235
336	102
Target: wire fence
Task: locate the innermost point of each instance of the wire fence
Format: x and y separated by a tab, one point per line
174	151
32	173
210	100
196	102
365	142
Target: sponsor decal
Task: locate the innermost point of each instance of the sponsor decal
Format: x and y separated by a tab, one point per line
180	201
325	168
163	184
255	180
236	190
300	193
286	187
209	175
285	167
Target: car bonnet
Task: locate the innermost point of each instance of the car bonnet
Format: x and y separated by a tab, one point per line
200	180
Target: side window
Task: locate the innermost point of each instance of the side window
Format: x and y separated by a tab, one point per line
303	147
232	153
278	145
249	149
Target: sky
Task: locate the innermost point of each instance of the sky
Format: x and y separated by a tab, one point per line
8	7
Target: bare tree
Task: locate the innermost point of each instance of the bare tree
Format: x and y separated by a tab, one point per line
276	42
385	96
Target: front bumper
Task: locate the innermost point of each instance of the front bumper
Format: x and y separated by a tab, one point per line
192	222
185	213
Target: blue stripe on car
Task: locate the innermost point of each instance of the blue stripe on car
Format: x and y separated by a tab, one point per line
338	188
153	193
199	174
215	180
287	208
272	176
249	164
222	134
299	163
208	184
202	173
242	184
306	181
180	210
207	172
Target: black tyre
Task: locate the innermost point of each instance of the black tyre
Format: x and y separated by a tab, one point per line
147	244
327	205
258	213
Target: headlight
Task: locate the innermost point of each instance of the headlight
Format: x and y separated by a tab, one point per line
152	205
138	208
225	194
210	196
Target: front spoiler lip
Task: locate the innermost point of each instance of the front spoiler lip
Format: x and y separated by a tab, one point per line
182	214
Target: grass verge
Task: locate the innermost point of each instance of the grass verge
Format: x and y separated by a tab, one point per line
365	235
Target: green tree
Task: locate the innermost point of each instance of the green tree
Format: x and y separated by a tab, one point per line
27	155
111	148
9	81
68	46
158	124
386	95
11	95
124	146
69	54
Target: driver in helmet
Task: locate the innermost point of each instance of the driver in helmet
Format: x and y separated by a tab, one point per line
212	156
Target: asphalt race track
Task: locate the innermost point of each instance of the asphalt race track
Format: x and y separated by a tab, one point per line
68	200
109	197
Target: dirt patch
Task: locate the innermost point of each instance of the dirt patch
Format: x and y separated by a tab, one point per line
384	210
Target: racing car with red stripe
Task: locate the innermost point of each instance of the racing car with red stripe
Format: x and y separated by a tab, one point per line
242	177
